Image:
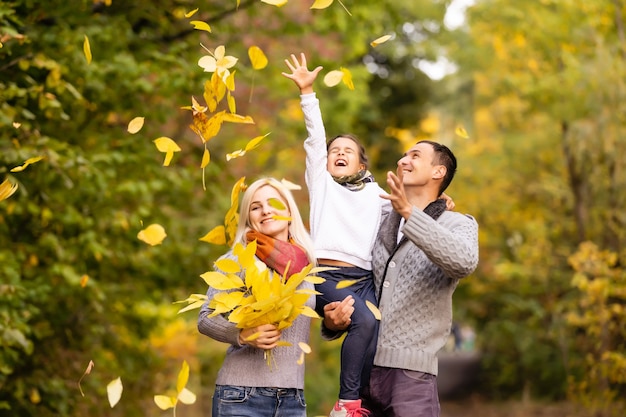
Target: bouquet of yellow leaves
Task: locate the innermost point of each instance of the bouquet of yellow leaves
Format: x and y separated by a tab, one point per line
261	297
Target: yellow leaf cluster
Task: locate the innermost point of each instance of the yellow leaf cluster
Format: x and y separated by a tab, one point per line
261	297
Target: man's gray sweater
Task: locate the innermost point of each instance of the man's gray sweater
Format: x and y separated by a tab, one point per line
415	280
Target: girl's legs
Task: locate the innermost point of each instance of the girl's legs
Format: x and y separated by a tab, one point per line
359	346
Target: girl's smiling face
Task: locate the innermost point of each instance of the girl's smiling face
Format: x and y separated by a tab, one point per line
343	158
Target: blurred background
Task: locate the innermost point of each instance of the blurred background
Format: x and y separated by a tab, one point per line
530	96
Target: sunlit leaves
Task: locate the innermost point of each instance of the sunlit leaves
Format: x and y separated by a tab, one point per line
253	143
167	146
87	49
114	391
380	40
183	395
7	189
26	163
87	372
153	235
135	125
200	25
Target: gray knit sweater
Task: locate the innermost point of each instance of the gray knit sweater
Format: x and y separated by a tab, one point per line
415	280
246	365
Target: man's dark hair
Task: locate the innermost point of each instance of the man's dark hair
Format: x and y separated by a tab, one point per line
445	157
362	157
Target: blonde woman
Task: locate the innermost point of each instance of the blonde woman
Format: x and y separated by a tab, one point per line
246	386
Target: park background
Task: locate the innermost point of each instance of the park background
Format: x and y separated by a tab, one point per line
530	95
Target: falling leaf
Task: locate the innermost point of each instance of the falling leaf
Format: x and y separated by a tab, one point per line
277	204
152	235
461	132
168	146
87	49
183	377
7	189
277	3
290	185
257	57
217	236
83	280
347	78
300	360
186	397
164	402
218	62
28	162
375	311
305	348
135	125
87	372
235	154
114	391
206	158
16	125
284	218
191	13
34	396
200	25
348	282
380	40
333	78
321	4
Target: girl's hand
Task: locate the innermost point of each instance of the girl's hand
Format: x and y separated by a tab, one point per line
268	336
300	74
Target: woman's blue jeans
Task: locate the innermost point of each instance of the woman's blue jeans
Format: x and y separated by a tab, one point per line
235	401
359	346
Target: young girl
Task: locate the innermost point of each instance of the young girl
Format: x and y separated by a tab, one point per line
345	215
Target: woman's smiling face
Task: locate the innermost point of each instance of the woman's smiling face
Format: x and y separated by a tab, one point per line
263	211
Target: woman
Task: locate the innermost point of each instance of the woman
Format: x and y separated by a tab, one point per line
246	385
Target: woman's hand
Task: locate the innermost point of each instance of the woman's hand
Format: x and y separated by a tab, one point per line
268	336
337	314
300	74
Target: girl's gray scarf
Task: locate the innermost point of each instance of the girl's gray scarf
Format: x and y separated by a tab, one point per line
355	182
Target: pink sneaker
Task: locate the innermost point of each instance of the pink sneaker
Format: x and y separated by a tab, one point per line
348	409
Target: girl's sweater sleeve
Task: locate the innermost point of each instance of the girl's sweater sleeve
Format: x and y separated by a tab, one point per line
315	143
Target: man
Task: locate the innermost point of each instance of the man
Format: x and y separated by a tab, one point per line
420	254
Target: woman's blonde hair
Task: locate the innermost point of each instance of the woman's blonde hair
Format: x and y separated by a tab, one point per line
297	231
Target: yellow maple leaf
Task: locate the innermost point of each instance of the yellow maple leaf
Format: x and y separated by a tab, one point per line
87	49
200	25
167	146
321	4
333	78
153	235
277	3
257	58
7	189
135	125
28	162
460	130
380	40
217	236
